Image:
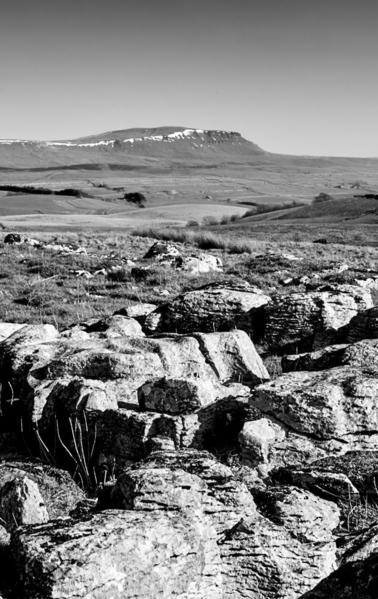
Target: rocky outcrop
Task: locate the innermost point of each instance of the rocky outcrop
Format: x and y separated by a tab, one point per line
261	556
137	412
119	554
167	254
185	480
336	404
188	387
306	321
300	512
162	251
309	416
215	307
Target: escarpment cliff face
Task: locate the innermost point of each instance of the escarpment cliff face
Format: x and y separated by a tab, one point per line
130	146
150	454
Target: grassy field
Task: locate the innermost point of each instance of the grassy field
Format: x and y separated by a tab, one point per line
38	285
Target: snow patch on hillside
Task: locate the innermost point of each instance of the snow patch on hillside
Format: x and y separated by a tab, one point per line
197	135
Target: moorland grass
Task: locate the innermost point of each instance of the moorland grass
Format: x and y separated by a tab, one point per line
203	239
42	286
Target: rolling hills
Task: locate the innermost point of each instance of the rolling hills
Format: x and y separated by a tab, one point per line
185	174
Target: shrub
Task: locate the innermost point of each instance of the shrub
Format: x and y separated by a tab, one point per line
209	221
322	197
137	198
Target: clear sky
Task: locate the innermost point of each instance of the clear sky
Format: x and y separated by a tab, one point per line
295	76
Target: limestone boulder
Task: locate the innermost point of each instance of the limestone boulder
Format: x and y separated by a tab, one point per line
201	264
107	375
263	560
266	444
162	251
310	321
27	346
233	357
119	554
177	396
306	516
188	386
21	503
32	492
257	439
216	307
67	397
168	254
115	326
139	310
126	435
261	556
363	354
306	417
335	404
188	481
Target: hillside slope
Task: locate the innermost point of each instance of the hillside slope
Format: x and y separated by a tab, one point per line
133	147
352	209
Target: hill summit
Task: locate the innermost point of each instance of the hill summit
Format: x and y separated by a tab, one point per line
135	147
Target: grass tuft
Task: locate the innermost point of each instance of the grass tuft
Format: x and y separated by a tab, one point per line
205	240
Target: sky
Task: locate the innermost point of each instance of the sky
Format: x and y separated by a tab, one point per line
294	76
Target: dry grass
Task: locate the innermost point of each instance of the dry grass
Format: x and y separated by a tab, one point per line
203	239
41	286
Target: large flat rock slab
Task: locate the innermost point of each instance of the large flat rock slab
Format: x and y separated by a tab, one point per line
119	555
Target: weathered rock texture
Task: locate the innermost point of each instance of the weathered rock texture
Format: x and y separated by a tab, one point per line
336	404
308	416
119	555
217	307
168	254
306	321
260	556
188	386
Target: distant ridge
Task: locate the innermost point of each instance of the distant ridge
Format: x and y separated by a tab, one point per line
135	147
200	137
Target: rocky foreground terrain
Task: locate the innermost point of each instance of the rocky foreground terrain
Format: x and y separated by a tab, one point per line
155	452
